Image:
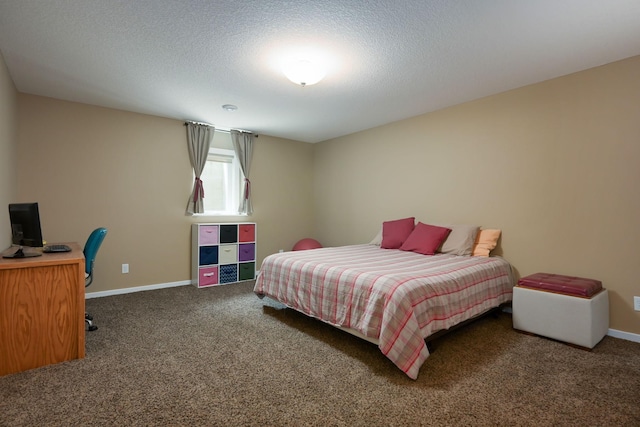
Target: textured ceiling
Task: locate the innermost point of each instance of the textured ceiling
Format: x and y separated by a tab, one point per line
387	60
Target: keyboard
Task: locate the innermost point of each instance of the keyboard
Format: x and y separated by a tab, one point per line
56	248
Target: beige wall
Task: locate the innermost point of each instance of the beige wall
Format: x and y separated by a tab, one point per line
8	155
89	166
555	165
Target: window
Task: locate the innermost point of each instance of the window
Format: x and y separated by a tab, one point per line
222	177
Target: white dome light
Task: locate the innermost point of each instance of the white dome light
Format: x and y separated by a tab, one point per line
304	72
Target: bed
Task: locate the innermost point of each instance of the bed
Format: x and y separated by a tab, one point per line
391	297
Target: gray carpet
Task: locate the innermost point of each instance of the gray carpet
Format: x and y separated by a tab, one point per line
221	356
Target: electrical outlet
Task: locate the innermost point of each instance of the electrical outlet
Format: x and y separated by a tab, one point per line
636	303
125	268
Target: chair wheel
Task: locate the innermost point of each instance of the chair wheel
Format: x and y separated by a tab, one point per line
93	328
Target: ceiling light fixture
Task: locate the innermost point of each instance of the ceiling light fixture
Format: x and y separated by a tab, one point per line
304	72
229	107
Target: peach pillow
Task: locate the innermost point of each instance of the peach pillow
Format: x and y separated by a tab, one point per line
425	239
394	233
486	241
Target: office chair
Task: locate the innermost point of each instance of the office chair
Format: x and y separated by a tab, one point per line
90	251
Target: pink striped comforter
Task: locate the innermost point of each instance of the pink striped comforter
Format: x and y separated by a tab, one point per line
396	297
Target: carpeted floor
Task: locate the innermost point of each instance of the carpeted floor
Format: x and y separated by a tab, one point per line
221	356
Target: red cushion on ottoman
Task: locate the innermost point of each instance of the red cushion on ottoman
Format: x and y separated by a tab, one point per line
562	284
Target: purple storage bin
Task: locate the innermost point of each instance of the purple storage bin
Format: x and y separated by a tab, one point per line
247	252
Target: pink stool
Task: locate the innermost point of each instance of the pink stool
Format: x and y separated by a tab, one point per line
566	308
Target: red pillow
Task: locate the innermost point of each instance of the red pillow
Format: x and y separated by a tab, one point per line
394	233
425	239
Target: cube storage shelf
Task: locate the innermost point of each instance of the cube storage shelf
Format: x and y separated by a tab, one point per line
222	253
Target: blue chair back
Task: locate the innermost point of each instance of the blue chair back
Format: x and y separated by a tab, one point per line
91	248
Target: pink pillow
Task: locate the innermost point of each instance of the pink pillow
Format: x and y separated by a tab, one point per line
394	233
425	239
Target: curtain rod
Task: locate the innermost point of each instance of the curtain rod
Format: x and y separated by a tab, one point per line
221	130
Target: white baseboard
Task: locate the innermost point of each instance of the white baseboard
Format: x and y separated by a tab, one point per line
624	335
136	289
629	336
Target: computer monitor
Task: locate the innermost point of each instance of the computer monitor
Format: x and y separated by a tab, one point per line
25	229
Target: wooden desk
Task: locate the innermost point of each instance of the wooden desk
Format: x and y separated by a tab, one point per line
41	310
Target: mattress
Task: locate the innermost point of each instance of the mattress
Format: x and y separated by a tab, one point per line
392	297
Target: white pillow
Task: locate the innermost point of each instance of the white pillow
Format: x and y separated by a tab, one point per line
378	239
461	239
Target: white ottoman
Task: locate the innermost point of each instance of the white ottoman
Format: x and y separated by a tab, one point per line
570	309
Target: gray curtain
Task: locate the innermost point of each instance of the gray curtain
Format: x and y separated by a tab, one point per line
199	138
243	146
